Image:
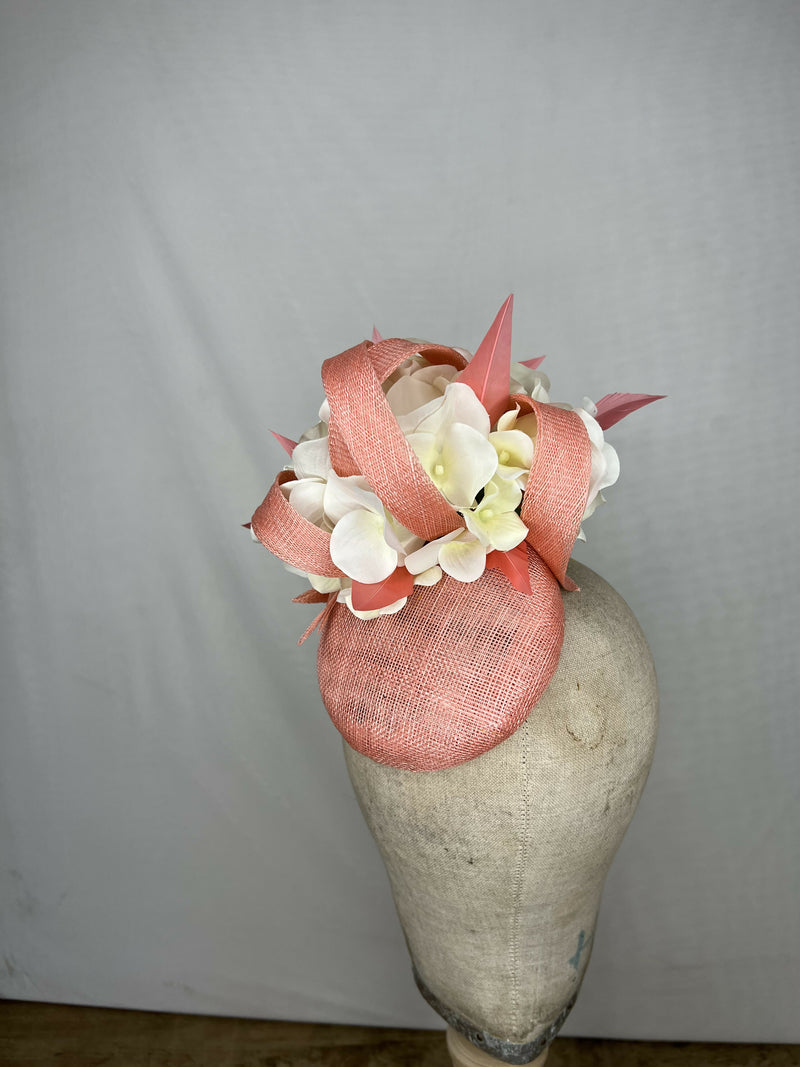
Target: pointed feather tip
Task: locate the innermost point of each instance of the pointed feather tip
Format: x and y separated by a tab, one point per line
376	337
612	408
285	442
533	364
489	371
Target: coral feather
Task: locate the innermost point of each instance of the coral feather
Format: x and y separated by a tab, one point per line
533	364
286	443
489	371
616	406
370	597
514	565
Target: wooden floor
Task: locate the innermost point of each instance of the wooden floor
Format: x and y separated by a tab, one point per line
56	1035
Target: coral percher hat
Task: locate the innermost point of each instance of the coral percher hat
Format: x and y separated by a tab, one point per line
434	509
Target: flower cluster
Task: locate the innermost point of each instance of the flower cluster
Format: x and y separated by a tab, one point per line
481	468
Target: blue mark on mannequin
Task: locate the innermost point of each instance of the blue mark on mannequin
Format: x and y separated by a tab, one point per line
583	941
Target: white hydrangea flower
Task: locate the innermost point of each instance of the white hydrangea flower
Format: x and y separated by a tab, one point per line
312	465
532	382
450	436
605	461
459	553
494	521
604	458
514	450
482	471
359	543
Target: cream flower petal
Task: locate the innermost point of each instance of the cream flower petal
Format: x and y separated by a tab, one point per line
593	428
516	445
409	423
345	591
597	472
592	507
358	547
460	405
306	497
501	495
343	495
502	532
437	374
459	461
417	393
424	558
605	461
409	393
528	425
467	460
426	448
400	538
508	419
390	609
463	560
532	382
408	366
518	475
429	577
323	584
311	459
612	466
495	521
514	452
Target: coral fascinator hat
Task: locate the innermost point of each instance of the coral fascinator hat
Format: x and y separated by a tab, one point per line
433	509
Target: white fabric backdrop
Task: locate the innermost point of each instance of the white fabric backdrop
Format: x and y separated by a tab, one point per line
201	203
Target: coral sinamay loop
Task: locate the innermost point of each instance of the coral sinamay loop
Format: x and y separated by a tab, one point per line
369	431
426	463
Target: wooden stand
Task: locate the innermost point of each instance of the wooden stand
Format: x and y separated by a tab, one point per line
464	1054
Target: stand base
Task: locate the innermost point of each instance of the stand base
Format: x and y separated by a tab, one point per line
496	1049
464	1054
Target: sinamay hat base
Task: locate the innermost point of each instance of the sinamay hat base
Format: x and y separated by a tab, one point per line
497	865
451	676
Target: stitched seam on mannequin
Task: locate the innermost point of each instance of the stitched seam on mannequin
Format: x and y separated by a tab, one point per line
522	854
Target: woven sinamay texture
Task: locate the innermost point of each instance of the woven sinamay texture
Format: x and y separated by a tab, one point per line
448	677
460	667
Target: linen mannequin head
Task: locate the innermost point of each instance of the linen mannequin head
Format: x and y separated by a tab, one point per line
497	865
